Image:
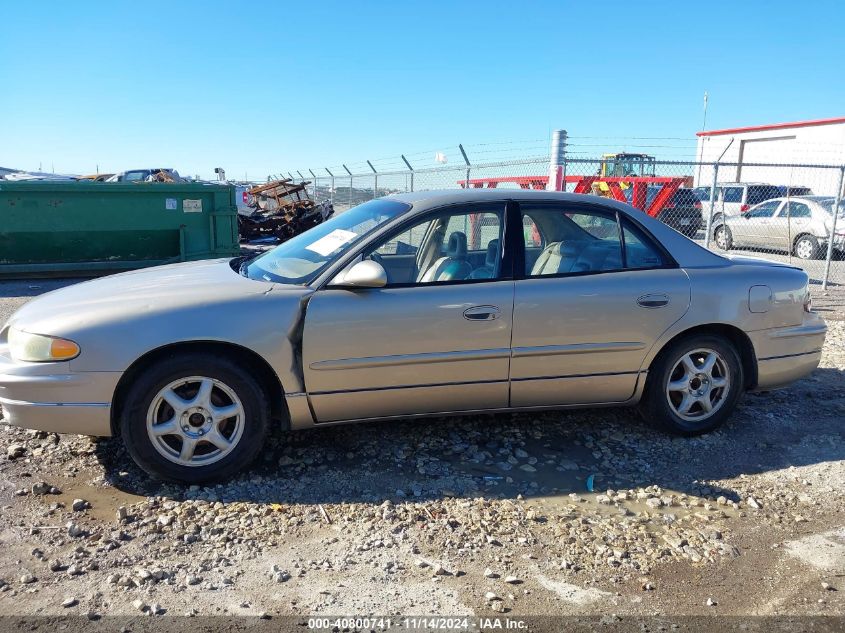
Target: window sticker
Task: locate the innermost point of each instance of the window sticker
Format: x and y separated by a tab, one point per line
170	204
328	244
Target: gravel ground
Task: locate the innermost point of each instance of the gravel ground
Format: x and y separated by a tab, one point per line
483	515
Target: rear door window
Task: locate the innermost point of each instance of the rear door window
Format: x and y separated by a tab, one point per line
640	251
795	210
733	194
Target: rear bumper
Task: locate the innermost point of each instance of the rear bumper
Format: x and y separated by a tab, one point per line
682	219
49	397
785	355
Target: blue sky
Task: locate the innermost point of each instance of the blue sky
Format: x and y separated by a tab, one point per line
261	87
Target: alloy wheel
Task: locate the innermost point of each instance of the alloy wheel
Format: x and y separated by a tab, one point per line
195	421
698	384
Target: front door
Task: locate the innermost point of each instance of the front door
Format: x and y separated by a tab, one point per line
589	308
435	339
757	227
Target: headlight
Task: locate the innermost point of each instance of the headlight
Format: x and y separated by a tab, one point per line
37	348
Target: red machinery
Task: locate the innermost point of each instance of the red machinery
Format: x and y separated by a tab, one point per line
584	184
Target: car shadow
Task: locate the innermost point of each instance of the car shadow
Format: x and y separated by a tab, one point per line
546	455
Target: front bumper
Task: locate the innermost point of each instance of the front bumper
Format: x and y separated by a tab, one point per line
787	354
49	397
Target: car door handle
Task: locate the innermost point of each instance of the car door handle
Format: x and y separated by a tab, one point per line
653	300
481	313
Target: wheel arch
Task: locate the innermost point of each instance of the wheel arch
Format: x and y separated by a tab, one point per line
259	367
799	236
733	334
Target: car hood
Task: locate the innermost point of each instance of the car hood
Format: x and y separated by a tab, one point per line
129	296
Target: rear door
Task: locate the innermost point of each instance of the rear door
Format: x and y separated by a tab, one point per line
732	201
587	312
793	218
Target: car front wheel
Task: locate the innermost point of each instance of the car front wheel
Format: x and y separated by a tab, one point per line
693	385
194	418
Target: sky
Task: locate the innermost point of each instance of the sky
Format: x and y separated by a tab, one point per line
265	87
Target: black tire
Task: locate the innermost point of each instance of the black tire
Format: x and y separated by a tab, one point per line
133	419
655	405
728	237
807	247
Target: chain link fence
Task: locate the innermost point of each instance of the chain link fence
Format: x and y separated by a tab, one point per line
792	213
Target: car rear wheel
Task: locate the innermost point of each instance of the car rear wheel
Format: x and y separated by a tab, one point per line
724	238
194	418
693	385
807	247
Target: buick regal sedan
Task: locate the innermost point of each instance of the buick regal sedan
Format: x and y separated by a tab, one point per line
419	304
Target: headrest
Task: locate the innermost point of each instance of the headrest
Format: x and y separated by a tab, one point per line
492	254
567	248
457	247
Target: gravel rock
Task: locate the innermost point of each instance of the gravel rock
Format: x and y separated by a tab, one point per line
41	488
498	606
74	530
69	602
79	505
14	451
140	605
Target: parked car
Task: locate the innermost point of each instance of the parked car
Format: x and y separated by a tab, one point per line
161	174
735	198
682	212
420	304
793	190
800	225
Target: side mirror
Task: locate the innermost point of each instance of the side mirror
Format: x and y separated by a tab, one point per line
364	274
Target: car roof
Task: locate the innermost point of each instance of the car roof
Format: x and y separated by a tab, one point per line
797	198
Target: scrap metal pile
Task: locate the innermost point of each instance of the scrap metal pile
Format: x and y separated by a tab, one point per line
280	209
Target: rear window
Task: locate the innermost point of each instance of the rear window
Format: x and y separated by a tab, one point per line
733	194
685	197
759	193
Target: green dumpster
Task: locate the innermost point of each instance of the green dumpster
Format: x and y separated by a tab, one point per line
81	227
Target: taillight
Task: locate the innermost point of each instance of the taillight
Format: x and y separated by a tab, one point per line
744	208
244	197
697	205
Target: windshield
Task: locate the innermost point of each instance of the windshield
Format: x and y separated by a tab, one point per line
301	259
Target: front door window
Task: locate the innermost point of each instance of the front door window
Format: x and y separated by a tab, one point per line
449	246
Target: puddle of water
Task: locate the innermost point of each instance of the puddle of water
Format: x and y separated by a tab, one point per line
104	500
